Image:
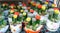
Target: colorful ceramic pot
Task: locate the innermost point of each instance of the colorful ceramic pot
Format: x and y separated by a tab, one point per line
52	26
15	28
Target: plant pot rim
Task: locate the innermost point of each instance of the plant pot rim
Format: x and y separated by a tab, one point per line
16	24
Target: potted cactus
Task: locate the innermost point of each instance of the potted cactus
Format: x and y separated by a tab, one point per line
53	20
33	25
15	22
12	6
4	6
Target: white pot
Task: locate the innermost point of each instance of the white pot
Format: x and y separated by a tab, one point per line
3	30
52	26
16	29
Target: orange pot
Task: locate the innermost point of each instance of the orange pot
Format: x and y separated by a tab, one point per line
31	31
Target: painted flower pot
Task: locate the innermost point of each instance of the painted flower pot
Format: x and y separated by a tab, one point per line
52	26
27	30
15	28
4	29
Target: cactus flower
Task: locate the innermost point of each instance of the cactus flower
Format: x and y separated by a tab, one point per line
46	2
21	10
53	5
37	17
34	4
43	7
56	11
16	13
28	19
24	13
31	10
12	10
39	6
14	16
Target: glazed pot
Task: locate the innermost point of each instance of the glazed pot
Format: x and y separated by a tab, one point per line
4	29
52	26
27	30
15	28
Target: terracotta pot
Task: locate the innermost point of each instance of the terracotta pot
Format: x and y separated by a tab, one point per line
31	31
52	26
3	30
